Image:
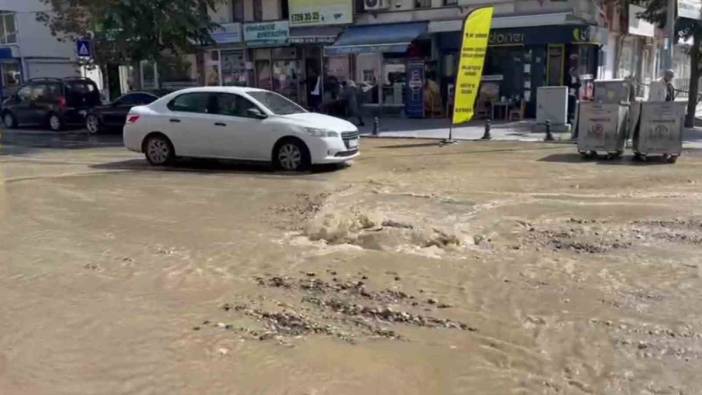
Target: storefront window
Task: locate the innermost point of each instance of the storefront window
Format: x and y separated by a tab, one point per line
263	74
368	75
394	82
212	69
234	71
337	69
286	78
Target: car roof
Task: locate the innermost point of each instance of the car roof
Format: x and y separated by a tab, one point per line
223	89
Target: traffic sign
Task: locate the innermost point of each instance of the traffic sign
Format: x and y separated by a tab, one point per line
84	50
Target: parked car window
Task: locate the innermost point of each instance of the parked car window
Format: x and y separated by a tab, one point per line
276	103
81	87
46	91
191	102
82	92
39	91
233	105
24	94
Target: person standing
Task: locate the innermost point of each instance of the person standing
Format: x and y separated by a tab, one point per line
668	78
350	96
574	85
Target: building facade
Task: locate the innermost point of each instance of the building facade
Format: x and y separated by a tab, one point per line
27	48
403	54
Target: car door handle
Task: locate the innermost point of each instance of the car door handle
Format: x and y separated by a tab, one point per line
175	120
220	124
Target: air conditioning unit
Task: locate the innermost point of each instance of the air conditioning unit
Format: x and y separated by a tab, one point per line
374	5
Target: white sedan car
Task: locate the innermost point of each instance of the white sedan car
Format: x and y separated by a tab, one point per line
238	123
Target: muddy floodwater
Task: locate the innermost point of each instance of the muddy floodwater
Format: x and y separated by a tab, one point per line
479	268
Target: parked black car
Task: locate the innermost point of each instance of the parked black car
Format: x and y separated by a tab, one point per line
53	102
113	116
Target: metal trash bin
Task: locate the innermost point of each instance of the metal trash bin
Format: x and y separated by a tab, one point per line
660	130
602	128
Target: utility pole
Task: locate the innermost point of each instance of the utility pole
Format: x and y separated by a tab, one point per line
667	61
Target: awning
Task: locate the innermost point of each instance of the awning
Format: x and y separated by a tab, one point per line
314	35
6	53
386	38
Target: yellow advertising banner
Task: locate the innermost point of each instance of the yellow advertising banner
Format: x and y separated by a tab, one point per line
476	32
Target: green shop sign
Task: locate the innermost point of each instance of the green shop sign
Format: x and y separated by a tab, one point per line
267	34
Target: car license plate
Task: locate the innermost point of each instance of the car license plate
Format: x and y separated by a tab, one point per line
353	143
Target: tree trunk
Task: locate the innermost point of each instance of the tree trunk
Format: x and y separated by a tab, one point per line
694	81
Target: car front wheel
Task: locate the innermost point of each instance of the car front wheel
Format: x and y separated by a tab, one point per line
159	150
292	155
92	123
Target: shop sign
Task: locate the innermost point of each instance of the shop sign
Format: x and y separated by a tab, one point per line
320	12
506	38
414	104
691	9
543	35
267	34
227	33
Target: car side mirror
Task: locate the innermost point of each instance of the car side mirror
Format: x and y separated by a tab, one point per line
256	113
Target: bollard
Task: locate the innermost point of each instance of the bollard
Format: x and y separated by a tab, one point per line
487	135
549	135
376	126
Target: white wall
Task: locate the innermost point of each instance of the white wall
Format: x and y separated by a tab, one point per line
34	38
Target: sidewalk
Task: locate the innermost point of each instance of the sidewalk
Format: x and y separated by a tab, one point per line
504	131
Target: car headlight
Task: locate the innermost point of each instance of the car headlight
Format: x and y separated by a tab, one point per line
321	132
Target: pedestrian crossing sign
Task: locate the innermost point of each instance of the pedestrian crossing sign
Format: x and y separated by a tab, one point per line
84	50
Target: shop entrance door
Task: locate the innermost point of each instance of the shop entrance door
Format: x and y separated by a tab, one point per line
556	65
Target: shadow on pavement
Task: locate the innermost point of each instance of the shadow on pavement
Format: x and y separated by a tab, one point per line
623	161
214	166
415	145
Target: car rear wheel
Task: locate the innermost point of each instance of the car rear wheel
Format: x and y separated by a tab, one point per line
292	155
159	150
55	123
9	120
92	123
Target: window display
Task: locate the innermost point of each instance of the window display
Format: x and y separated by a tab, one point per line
234	71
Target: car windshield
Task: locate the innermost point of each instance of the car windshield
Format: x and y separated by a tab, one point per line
276	103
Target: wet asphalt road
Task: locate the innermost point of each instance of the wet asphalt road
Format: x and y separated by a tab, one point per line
24	140
578	277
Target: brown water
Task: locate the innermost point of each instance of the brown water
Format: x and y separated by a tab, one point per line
473	269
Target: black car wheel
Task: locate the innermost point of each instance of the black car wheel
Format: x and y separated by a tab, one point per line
55	122
92	123
9	120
